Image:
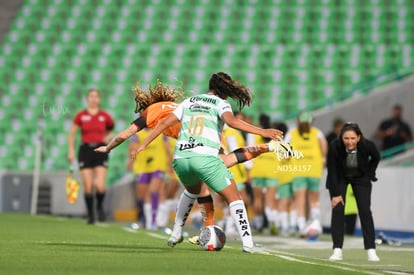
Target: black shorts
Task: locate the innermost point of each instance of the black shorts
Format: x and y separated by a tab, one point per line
88	158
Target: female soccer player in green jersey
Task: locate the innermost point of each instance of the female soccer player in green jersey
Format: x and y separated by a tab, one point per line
196	158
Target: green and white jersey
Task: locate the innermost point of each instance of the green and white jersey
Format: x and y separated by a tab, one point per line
201	125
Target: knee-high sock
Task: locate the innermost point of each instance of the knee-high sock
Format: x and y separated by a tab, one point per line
184	206
239	214
99	200
293	219
154	208
315	213
148	215
250	152
89	206
207	209
162	214
284	222
140	210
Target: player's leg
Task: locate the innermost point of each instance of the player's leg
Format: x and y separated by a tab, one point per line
258	209
270	208
217	177
244	154
99	183
86	164
87	181
141	189
285	194
239	214
186	201
313	198
153	198
299	186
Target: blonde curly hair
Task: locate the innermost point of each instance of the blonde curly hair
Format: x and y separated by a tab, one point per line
159	92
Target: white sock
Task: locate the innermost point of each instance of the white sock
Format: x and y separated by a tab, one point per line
258	222
284	222
315	213
229	225
268	213
171	204
275	217
184	206
239	214
162	214
148	215
301	223
293	219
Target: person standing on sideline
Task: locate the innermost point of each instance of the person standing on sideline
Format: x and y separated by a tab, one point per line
264	182
394	131
352	159
307	167
351	211
196	157
96	129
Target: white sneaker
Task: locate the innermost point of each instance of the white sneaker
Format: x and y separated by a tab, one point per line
372	255
337	255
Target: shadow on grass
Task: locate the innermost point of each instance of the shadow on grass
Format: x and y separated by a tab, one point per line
126	248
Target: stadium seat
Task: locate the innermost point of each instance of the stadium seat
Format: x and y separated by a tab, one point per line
290	53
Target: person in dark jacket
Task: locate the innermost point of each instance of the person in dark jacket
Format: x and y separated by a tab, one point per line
352	159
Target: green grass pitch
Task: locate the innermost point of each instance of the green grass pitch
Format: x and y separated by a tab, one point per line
53	245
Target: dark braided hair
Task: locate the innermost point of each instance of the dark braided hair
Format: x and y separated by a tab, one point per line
224	86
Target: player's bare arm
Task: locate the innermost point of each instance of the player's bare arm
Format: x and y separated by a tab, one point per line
161	126
119	139
236	123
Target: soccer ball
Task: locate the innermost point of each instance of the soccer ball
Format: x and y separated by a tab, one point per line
313	230
212	238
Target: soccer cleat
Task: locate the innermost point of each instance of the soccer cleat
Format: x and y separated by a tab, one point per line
337	255
279	146
172	241
372	255
194	240
255	250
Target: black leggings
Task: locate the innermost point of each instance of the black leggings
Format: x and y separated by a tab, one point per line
362	188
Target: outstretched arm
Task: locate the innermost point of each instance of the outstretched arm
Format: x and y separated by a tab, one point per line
161	126
236	123
119	139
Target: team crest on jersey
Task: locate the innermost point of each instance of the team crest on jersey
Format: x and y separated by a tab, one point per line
86	118
101	118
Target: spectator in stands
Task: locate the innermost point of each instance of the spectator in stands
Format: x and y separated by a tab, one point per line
96	129
352	159
394	131
336	129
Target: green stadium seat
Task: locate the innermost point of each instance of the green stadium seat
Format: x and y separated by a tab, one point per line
290	53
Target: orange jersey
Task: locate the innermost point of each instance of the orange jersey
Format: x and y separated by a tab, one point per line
158	111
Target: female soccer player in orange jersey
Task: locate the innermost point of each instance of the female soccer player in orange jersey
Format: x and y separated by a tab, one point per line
154	106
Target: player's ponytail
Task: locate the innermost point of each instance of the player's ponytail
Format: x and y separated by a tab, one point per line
224	86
